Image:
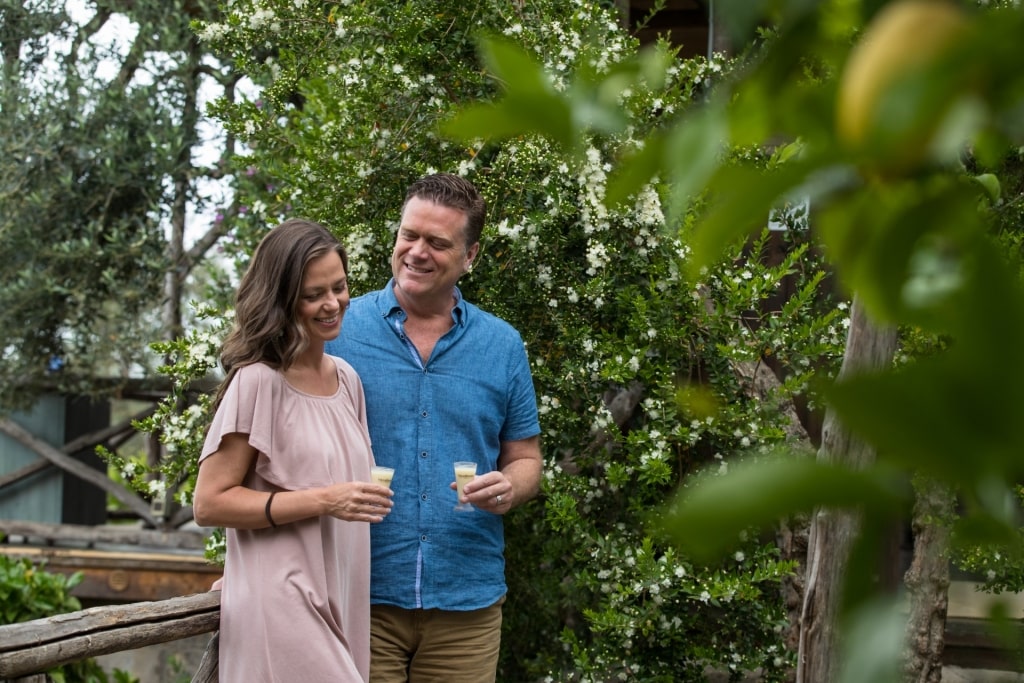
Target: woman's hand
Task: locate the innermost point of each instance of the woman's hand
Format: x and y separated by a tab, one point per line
357	501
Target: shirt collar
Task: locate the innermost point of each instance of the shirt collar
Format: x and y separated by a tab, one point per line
390	307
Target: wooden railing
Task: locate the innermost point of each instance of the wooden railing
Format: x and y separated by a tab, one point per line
30	648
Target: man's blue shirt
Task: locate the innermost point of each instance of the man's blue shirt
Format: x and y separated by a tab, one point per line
474	392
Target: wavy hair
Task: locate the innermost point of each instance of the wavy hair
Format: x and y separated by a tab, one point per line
266	329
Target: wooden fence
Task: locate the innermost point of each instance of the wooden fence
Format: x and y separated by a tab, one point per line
30	648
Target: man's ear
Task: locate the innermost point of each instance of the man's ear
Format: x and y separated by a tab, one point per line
471	256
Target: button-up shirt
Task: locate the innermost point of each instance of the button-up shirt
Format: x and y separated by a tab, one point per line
474	392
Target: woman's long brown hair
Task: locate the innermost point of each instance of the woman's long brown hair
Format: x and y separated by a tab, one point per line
265	329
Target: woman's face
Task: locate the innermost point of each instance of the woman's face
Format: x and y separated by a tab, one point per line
323	298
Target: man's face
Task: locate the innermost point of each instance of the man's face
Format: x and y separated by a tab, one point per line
430	253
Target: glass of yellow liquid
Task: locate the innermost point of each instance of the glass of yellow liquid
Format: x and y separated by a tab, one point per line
464	472
382	475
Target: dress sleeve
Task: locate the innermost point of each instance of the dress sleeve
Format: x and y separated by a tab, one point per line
354	386
246	408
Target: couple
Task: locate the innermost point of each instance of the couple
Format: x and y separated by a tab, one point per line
425	377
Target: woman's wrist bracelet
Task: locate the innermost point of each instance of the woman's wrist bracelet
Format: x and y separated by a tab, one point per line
266	510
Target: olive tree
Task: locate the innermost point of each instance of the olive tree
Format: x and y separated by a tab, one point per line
102	130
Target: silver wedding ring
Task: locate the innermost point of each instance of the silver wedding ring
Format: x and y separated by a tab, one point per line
498	498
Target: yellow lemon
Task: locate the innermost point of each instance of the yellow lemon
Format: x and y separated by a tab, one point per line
904	36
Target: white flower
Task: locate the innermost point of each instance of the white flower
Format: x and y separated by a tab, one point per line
597	257
212	31
544	276
260	17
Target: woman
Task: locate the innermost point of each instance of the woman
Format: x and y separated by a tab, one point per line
286	470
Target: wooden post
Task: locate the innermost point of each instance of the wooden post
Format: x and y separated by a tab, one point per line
209	666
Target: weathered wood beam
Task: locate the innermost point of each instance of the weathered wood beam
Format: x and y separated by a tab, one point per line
71	447
24	472
118	576
209	665
79	469
93	439
34	646
91	535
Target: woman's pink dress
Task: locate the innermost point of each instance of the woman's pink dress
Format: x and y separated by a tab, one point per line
295	600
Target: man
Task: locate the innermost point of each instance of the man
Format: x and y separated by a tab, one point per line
444	382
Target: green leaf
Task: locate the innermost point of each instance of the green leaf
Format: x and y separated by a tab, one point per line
708	517
530	104
741	198
907	248
635	170
939	415
700	140
989	182
873	643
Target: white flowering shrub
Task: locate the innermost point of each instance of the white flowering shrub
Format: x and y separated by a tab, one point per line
180	419
635	368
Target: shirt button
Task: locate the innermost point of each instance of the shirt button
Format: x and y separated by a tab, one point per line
423	538
423	414
423	454
423	496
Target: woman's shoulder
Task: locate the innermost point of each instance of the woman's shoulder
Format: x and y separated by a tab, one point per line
258	374
344	368
258	369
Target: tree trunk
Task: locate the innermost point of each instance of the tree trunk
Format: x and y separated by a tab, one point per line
833	532
927	582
